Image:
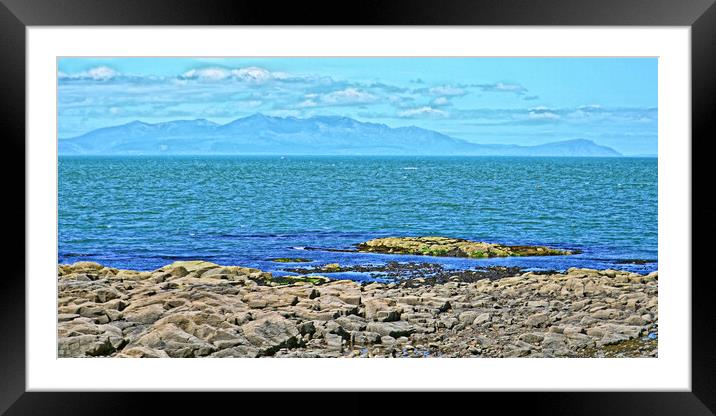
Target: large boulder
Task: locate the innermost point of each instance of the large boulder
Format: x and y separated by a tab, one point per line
83	338
393	329
174	341
142	352
271	332
193	266
381	309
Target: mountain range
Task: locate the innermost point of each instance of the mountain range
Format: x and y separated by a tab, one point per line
320	135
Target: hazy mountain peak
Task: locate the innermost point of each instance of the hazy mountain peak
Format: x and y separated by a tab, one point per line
318	135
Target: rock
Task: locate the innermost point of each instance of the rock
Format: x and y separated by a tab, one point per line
145	315
596	332
467	317
577	340
351	323
200	309
98	292
174	341
537	304
532	338
271	333
307	328
393	329
481	319
605	314
332	327
628	330
195	266
131	275
409	300
572	329
142	352
387	340
85	265
347	291
240	351
86	340
448	322
579	305
452	247
381	310
513	351
611	338
64	317
387	316
334	342
554	342
635	320
537	320
365	338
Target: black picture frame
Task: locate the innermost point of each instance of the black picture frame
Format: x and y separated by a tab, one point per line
16	15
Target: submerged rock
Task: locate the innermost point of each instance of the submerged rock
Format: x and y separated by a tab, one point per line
291	260
453	247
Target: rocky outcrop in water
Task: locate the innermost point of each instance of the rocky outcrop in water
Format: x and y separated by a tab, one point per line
200	309
452	247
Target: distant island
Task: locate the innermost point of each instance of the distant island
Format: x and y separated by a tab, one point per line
321	135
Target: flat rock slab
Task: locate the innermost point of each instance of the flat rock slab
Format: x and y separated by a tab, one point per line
271	333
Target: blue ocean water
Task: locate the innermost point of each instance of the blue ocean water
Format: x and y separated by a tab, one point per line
145	212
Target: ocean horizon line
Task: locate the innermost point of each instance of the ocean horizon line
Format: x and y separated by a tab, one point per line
350	155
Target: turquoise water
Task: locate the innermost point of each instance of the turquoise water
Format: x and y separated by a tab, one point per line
145	212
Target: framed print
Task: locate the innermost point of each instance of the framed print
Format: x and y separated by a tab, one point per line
489	198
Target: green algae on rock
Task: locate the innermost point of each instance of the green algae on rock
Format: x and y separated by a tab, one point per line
289	279
453	247
291	260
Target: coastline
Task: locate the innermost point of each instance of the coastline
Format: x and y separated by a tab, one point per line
200	309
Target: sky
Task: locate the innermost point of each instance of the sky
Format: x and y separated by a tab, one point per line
525	101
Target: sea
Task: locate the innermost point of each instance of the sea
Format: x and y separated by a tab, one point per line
143	212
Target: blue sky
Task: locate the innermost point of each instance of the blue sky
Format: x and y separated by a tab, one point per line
527	101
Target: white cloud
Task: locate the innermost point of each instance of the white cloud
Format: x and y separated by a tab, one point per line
248	74
503	87
307	104
250	103
441	101
253	74
208	74
447	90
542	113
422	112
348	96
508	87
590	111
98	73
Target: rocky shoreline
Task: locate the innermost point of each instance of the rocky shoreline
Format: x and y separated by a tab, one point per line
200	309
